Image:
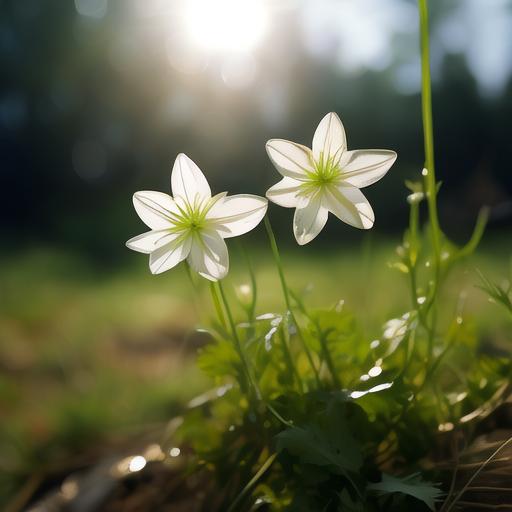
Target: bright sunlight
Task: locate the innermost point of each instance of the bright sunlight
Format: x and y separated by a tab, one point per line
226	25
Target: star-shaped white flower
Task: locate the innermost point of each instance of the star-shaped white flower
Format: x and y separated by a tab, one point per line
193	224
326	179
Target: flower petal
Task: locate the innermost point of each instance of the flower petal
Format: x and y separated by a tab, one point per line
290	159
285	193
238	214
350	206
329	138
156	209
309	221
148	242
187	180
169	255
209	255
366	166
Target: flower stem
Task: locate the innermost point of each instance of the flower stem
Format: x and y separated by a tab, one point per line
238	344
217	305
286	293
254	285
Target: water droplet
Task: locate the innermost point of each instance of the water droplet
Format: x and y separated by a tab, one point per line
424	172
374	344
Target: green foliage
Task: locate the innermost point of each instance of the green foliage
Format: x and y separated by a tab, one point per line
499	293
340	444
327	442
412	485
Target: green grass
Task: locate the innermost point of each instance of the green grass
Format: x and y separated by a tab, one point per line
85	353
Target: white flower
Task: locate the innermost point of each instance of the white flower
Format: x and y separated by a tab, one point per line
326	179
193	224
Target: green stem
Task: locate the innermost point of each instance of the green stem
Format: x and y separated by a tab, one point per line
284	286
254	480
428	131
288	356
254	284
238	344
322	336
217	305
249	381
430	176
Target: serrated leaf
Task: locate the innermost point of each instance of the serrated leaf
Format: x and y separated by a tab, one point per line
412	485
325	443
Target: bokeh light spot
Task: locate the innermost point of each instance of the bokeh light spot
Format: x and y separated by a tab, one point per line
137	463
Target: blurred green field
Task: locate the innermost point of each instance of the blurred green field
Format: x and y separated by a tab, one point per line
86	352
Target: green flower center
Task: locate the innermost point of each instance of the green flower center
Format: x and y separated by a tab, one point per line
326	172
191	218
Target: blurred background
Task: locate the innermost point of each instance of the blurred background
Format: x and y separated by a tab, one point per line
97	97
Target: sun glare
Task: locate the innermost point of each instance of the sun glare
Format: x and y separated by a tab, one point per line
225	25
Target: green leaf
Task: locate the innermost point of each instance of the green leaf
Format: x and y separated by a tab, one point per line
219	359
501	294
325	443
412	485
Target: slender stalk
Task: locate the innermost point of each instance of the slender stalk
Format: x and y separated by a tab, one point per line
283	331
322	336
277	259
428	131
254	480
248	381
217	305
238	345
413	251
254	284
429	172
286	293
